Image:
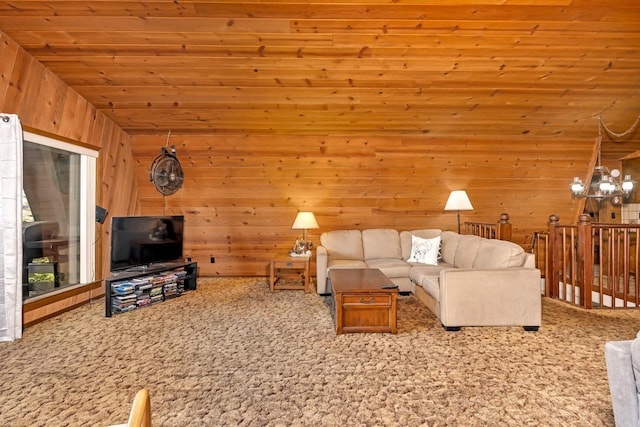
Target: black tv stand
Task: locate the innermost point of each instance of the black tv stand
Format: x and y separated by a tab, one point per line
147	286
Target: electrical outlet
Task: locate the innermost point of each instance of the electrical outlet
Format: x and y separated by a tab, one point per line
212	259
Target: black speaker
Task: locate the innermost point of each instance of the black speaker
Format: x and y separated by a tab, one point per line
101	214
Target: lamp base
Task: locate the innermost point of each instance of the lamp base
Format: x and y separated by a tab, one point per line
300	255
302	247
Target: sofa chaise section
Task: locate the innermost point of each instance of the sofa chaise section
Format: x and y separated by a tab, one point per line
481	282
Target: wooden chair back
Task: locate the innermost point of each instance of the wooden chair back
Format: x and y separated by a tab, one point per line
140	415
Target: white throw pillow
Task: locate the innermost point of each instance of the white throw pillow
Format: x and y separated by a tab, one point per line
425	251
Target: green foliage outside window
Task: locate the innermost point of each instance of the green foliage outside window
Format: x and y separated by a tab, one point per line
41	277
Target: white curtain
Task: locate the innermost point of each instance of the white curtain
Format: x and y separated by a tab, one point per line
10	228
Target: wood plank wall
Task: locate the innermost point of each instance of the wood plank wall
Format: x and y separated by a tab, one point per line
241	193
47	105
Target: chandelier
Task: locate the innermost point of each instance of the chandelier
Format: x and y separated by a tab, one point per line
604	183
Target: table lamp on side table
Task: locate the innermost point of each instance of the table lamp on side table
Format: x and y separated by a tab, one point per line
305	221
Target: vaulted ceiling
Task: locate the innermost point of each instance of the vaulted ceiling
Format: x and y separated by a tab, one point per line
476	68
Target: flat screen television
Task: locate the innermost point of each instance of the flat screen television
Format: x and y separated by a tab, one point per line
140	242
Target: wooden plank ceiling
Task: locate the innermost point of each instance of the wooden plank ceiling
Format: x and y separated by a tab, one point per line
458	68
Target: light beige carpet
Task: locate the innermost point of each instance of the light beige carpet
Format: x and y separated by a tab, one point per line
231	353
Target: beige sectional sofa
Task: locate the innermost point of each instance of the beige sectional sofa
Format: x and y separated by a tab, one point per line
475	282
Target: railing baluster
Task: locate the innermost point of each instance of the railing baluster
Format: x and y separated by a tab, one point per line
573	279
601	264
625	265
601	250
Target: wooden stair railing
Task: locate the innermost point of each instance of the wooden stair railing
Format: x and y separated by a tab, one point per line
500	230
590	265
538	247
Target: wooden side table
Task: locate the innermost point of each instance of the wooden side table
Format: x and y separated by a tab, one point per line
298	268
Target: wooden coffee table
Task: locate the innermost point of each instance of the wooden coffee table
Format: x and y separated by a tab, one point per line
365	300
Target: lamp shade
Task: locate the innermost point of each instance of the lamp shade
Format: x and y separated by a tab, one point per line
305	221
458	201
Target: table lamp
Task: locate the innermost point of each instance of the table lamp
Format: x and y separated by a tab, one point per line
304	221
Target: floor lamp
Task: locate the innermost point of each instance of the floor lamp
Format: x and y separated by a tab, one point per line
458	201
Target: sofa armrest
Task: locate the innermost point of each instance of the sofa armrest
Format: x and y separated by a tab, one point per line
490	297
322	264
624	395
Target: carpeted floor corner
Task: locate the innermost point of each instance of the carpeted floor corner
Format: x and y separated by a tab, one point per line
231	353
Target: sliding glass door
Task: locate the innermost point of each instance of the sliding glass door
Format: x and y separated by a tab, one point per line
58	228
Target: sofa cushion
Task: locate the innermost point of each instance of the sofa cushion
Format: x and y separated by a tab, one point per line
381	243
425	251
467	250
498	254
343	244
431	285
346	263
449	244
405	239
420	271
391	267
428	276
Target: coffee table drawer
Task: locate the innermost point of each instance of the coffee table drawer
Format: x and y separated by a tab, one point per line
360	299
